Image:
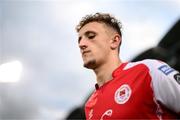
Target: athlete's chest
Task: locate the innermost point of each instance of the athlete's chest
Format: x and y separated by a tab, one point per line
127	95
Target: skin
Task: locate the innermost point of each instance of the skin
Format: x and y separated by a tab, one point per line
99	44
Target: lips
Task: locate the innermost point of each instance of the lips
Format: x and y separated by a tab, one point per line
84	52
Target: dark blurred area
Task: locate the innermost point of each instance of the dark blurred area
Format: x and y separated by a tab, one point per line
168	50
77	113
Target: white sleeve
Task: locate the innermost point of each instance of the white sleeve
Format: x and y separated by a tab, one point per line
165	83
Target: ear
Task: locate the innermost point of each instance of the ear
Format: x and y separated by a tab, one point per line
115	41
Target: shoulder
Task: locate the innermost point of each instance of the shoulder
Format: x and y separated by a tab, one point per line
152	64
165	82
148	63
159	67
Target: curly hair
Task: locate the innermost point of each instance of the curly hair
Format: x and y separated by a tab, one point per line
105	18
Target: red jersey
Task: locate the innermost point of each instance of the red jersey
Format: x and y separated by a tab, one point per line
147	89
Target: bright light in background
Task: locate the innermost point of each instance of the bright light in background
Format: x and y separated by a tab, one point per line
10	72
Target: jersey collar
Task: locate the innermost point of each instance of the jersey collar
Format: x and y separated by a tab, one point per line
115	73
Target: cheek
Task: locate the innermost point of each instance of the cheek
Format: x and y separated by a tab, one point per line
100	47
103	48
101	51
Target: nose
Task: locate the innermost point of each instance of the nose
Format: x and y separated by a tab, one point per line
82	44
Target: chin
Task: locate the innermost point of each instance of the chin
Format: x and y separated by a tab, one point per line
90	64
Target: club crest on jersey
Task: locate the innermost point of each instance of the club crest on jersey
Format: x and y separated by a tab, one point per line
122	94
166	69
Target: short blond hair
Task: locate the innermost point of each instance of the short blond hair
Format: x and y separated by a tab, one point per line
105	18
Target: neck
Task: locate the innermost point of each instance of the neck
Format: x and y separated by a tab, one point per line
104	72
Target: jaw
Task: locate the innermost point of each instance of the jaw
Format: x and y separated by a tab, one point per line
93	62
90	64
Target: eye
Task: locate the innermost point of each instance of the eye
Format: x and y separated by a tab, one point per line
79	39
91	36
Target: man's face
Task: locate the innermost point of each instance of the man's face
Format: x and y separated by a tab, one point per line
94	44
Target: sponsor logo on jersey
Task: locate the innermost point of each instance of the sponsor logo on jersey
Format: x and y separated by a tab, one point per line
166	69
107	114
177	77
122	94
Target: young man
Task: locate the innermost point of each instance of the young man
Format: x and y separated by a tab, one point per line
148	89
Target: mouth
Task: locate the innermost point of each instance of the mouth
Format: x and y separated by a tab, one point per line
84	52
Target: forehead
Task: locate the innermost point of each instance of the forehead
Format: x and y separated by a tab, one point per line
92	26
